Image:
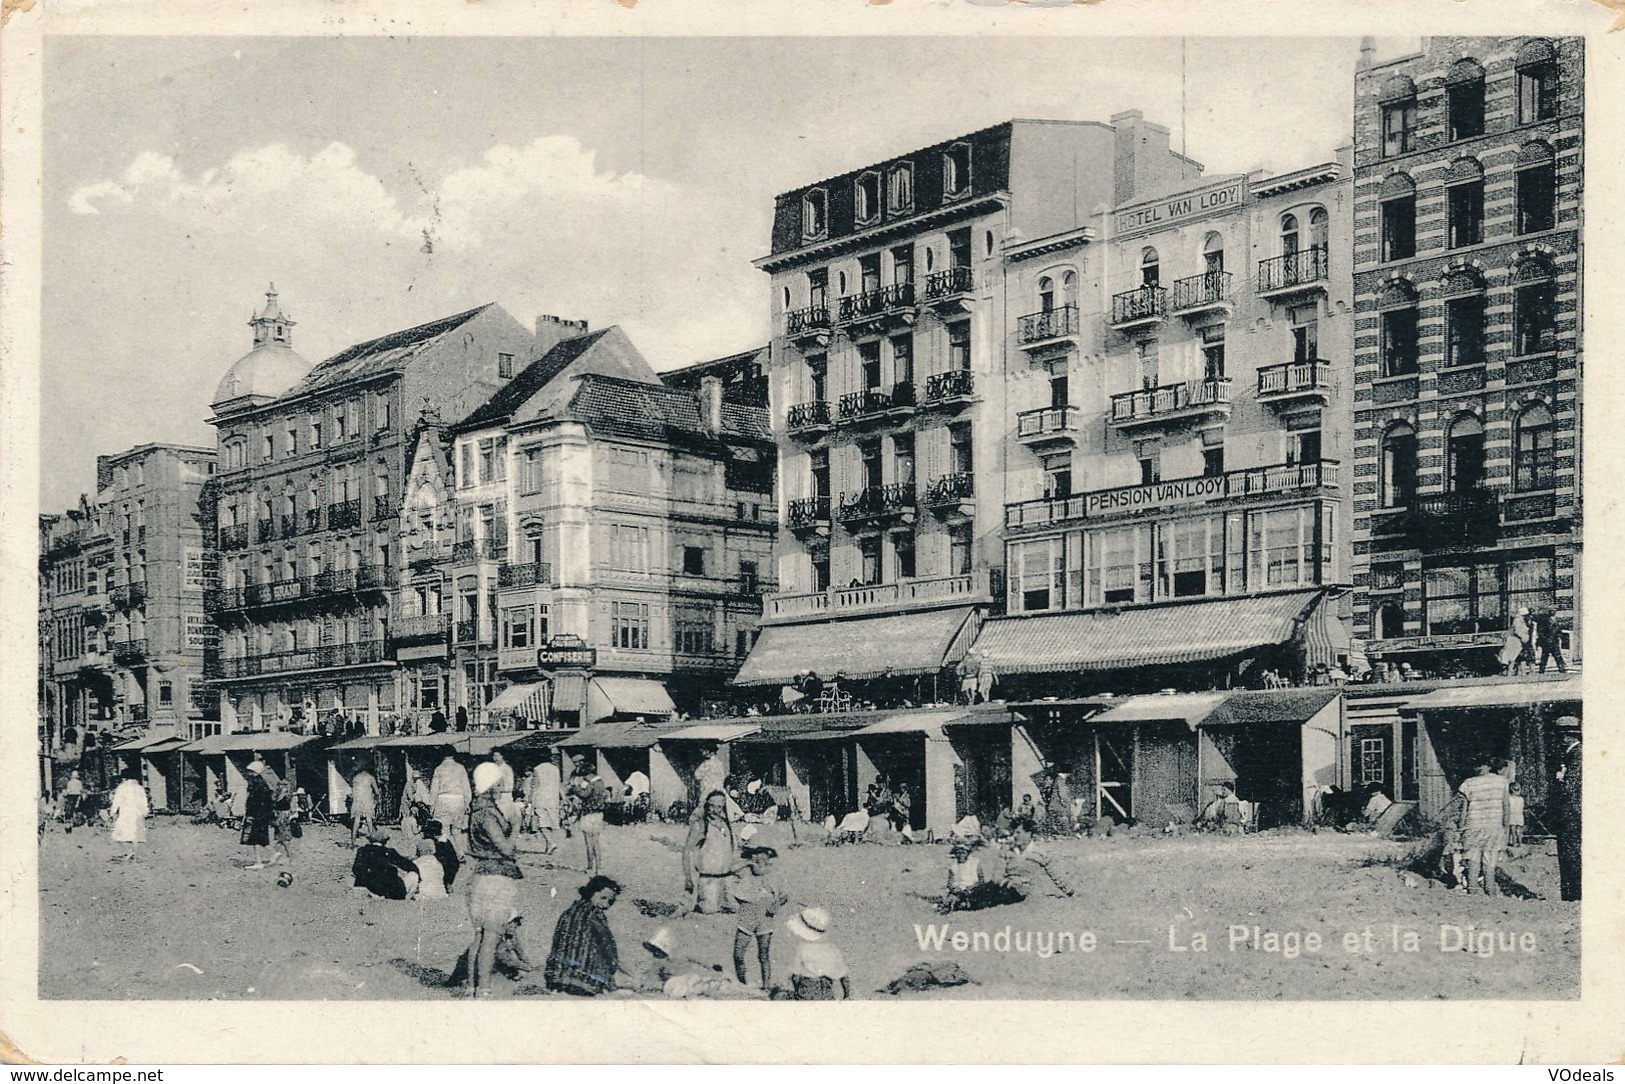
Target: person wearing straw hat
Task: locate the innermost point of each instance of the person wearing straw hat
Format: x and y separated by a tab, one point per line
494	887
818	966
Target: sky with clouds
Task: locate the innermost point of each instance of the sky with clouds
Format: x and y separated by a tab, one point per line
384	182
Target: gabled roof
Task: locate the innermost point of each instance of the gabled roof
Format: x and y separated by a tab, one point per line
382	354
615	406
528	381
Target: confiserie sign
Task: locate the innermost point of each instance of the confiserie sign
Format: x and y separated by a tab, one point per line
1159	495
1185	205
567	651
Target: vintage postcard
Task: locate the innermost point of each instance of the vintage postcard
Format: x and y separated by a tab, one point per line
609	524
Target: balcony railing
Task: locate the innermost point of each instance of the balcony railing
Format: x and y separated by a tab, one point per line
278	591
1286	478
1040	327
804	513
966	588
525	575
813	415
812	320
1201	291
381	507
313	520
949	282
1169	401
287	525
234	537
1142	303
951	488
1294	378
324	657
877	302
127	652
875	502
477	549
264	530
344	515
1306	267
953	384
871	402
1470	515
420	628
1047	423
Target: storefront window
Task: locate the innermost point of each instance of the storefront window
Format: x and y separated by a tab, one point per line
1040	568
1280	548
1190	558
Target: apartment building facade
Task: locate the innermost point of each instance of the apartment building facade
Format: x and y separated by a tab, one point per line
124	583
1177	463
1469	174
891	316
312	467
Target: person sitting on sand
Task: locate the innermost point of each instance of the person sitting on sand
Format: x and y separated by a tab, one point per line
384	871
818	968
584	960
682	977
1029	869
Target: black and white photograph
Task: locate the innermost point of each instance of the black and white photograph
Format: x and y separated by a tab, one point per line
563	518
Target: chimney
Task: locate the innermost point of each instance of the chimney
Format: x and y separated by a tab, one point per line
552	330
1368	53
1141	158
711	403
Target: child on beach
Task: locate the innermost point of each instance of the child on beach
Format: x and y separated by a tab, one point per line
758	897
818	967
1515	818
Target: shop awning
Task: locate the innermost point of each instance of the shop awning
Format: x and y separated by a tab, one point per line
570	692
1154	636
1503	694
777	728
474	743
608	696
260	741
616	735
149	743
535	739
860	648
526	700
717	732
1192	709
929	723
1271	706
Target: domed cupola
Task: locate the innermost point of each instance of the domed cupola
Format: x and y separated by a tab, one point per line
272	367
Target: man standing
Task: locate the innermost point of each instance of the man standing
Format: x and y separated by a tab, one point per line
1566	803
363	805
452	795
1549	640
1484	825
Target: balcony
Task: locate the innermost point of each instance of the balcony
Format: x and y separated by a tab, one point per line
809	421
470	550
875	312
265	530
1295	273
949	290
808	515
420	629
1048	328
344	515
287	525
1048	427
1200	295
313	520
809	327
950	390
1171	404
381	507
1288	479
876	506
423	552
859	407
278	592
130	652
1469	517
221	599
1140	307
952	496
524	575
325	657
965	589
468	631
234	537
1296	382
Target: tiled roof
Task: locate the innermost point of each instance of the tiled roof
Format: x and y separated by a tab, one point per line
528	381
1155	636
614	406
379	355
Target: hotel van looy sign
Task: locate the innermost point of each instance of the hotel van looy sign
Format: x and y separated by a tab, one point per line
1159	495
1209	201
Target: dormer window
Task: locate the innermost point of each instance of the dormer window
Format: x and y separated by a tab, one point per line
815	213
956	170
900	187
866	198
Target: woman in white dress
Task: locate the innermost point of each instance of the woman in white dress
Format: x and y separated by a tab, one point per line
129	811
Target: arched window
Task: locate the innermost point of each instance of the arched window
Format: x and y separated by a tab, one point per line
1536	185
1319	230
1464	453
1464	100
1289	234
1069	289
1398	466
1534	459
1537	81
1046	294
1464	203
1398	218
1400	339
1534	308
1398	116
1213	254
1150	267
1463	290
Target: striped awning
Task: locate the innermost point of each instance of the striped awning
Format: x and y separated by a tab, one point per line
1153	636
528	701
860	648
608	696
